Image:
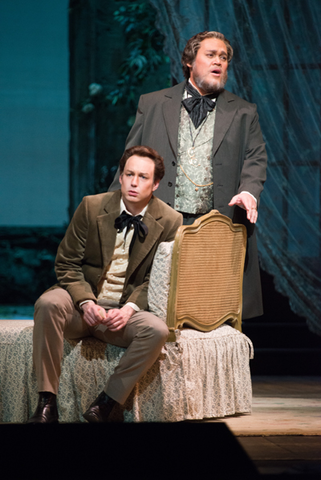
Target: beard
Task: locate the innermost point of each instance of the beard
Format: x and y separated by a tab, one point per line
212	86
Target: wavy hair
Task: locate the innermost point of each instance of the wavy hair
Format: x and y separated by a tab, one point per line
143	151
193	45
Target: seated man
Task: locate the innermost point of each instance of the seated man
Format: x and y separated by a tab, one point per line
103	266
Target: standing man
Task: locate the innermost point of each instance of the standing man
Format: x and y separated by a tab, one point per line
212	145
103	266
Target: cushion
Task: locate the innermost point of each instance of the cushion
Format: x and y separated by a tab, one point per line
158	289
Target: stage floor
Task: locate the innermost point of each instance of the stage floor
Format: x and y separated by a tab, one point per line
283	433
289	455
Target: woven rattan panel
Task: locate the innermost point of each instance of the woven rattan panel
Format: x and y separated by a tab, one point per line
209	273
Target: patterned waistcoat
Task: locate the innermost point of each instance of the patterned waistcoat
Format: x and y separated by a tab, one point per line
194	182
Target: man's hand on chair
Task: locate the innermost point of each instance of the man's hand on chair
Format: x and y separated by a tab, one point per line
248	203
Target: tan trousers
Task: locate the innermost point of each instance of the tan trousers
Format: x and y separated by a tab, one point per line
56	317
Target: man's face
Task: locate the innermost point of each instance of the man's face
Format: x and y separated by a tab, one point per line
137	183
209	69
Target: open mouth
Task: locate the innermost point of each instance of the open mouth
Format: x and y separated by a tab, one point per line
216	71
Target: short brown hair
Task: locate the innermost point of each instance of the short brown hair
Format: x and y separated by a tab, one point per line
193	45
143	151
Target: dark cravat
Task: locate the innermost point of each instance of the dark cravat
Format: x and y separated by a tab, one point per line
197	105
125	220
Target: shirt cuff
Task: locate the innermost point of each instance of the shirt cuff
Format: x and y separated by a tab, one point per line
244	191
83	303
131	304
134	306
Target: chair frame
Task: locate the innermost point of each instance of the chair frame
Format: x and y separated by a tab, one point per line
234	317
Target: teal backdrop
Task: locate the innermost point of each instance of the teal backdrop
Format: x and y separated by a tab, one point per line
117	48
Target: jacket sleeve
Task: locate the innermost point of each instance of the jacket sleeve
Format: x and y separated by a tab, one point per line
70	255
136	132
253	174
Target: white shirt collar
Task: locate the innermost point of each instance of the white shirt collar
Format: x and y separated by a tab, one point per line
122	208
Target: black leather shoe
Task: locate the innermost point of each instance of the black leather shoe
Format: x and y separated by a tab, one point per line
46	411
100	409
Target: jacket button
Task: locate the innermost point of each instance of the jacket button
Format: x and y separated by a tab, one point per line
173	163
168	203
170	184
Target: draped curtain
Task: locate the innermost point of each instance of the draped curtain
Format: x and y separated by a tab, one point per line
276	65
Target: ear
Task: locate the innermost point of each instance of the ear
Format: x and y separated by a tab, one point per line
155	186
121	179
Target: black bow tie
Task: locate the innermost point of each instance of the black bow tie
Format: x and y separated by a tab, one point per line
125	220
197	105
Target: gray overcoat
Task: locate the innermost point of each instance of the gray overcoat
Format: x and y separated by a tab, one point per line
239	163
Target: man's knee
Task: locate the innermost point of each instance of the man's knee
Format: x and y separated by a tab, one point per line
157	329
52	304
45	303
163	331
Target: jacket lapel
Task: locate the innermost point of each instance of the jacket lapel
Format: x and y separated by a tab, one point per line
225	111
171	112
107	232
